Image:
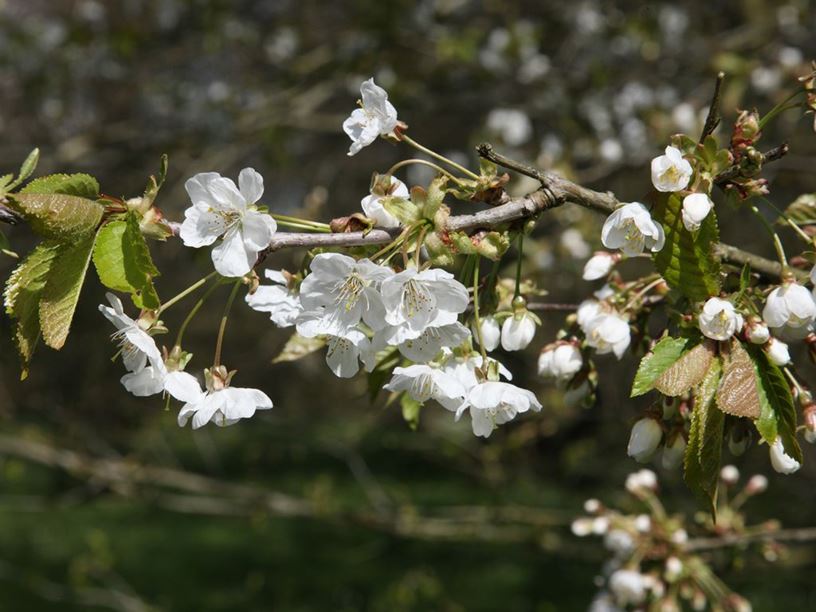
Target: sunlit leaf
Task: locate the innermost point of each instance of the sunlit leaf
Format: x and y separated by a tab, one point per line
687	371
658	360
298	347
739	390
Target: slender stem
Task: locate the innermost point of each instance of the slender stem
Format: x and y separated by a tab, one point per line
517	292
780	252
191	315
795	226
196	285
420	239
436	155
476	311
779	108
423	162
223	327
641	293
301	223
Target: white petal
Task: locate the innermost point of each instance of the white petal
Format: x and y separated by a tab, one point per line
201	226
198	187
144	383
231	258
257	229
251	185
226	194
183	386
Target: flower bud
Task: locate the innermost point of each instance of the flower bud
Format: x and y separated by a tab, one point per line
518	330
489	332
778	352
629	587
780	460
561	361
756	484
642	480
729	474
756	331
643	523
591	506
619	542
673	453
696	207
674	569
644	439
599	265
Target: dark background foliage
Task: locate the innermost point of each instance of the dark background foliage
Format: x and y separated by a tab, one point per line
107	87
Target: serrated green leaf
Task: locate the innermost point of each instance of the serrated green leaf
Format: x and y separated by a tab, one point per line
658	360
687	261
687	371
66	218
298	347
28	166
80	185
801	211
4	182
109	257
777	412
22	299
61	292
704	447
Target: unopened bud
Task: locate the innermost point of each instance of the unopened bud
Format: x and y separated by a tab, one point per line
644	439
756	484
592	506
729	474
778	352
757	331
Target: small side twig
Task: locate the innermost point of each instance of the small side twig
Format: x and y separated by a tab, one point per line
713	117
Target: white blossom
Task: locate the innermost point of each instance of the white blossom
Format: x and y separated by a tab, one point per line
629	587
281	302
790	310
757	331
599	265
729	474
560	361
512	124
518	330
631	228
608	333
344	353
619	542
780	460
137	348
587	312
377	116
339	293
757	484
219	404
373	206
494	403
643	523
644	439
674	568
673	453
719	320
696	207
424	382
640	481
489	332
778	352
220	209
670	172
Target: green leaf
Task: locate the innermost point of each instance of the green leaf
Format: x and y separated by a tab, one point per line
687	371
80	185
62	217
28	167
22	298
410	410
658	360
298	347
704	447
777	415
61	292
122	261
687	260
801	211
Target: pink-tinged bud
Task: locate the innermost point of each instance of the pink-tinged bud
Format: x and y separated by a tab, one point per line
729	475
756	484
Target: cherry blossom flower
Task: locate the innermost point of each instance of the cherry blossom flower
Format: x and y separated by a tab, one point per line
377	116
696	207
670	172
138	349
719	320
373	204
599	265
219	403
587	312
756	331
281	302
644	439
345	352
429	343
416	300
790	311
220	209
778	352
673	453
424	382
780	460
608	333
640	481
631	228
629	587
560	361
518	330
493	403
339	293
489	332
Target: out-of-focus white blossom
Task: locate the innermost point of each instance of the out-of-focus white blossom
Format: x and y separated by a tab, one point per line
719	320
377	116
560	361
673	453
729	474
644	439
599	265
513	125
780	460
619	542
696	207
643	523
631	228
608	333
641	480
758	483
629	587
790	310
518	330
674	569
670	172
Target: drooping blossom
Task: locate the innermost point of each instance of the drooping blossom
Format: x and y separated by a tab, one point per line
489	332
696	207
561	361
281	302
374	204
376	116
644	439
599	265
780	460
719	320
631	229
790	311
608	333
518	330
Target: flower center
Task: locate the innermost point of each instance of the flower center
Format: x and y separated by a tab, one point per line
350	290
415	298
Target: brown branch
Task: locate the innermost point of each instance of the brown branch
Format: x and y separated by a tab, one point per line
713	117
8	216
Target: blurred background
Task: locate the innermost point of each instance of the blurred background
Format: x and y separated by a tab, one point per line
105	503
